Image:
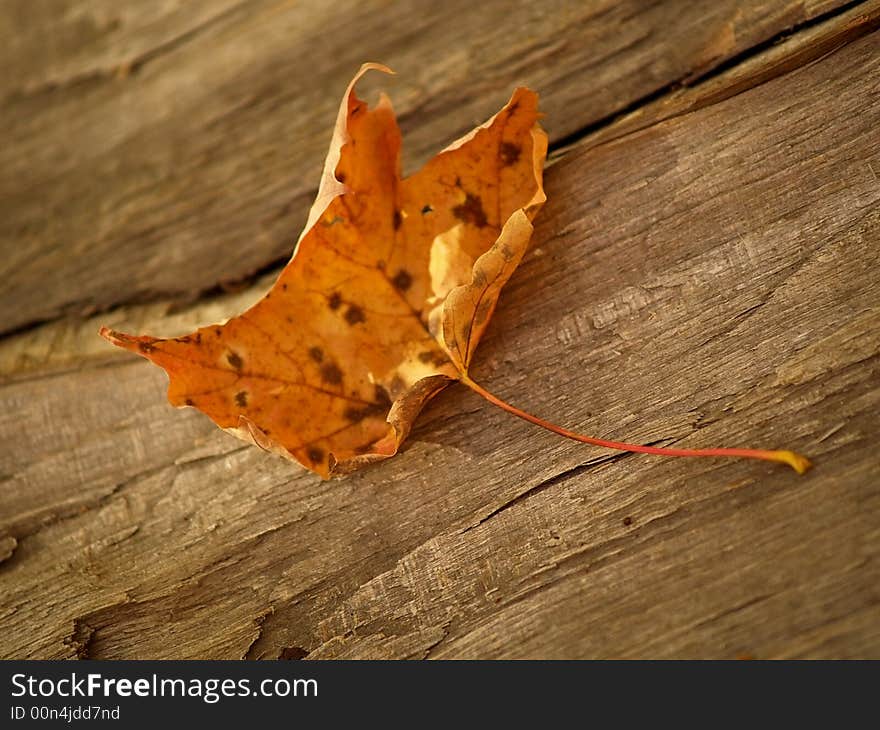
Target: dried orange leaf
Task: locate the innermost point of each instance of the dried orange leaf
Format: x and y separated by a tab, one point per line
389	289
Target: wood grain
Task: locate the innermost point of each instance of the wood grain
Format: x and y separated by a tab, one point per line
705	280
168	148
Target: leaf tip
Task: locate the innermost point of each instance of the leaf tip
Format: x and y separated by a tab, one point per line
372	65
120	339
142	345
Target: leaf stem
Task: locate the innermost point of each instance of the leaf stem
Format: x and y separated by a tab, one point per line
797	462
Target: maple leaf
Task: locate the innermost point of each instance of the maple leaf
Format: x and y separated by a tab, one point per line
389	289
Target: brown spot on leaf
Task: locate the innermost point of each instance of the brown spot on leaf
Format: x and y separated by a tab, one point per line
381	396
471	211
354	314
627	521
145	347
509	153
198	338
335	300
234	359
427	209
330	373
241	399
189	402
316	455
316	353
355	414
396	220
218	331
402	280
432	356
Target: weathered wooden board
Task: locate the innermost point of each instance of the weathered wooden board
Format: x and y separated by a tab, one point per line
708	280
166	148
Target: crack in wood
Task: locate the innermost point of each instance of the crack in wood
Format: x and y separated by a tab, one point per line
733	610
258	621
547	483
605	130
